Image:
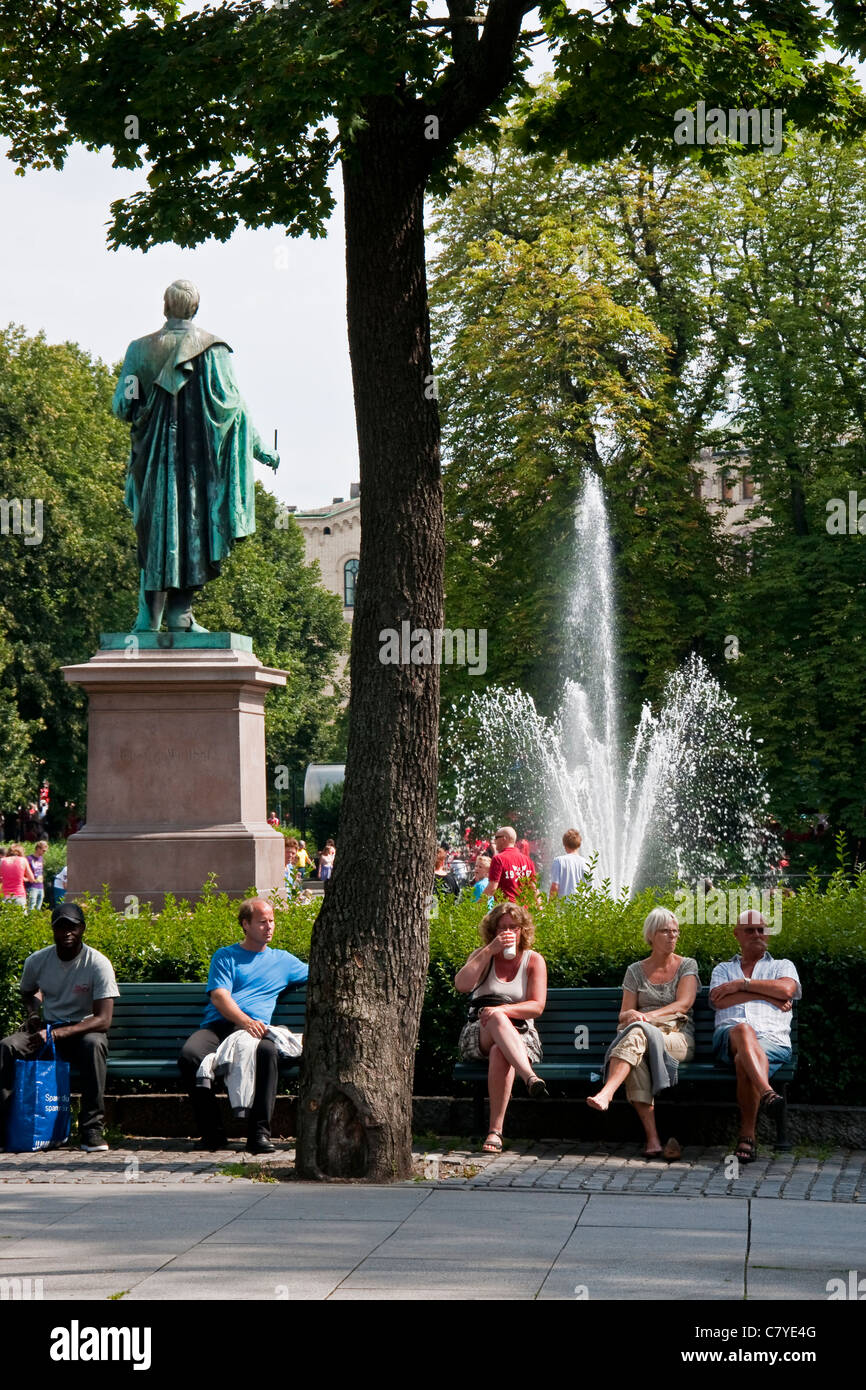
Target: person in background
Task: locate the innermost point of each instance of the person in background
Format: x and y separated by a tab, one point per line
326	859
445	883
568	869
274	820
60	886
36	889
304	860
509	869
15	875
482	871
291	876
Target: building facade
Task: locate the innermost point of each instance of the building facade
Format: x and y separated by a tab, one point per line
723	484
332	535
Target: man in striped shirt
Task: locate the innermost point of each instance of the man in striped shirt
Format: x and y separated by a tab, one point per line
753	996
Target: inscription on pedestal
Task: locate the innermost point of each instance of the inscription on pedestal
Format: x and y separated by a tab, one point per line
167	755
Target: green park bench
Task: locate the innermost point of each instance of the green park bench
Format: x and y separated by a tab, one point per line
578	1026
152	1022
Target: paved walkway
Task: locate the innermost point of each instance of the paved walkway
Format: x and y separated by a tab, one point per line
293	1240
817	1176
160	1220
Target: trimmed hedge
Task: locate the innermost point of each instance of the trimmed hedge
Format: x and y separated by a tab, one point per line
587	941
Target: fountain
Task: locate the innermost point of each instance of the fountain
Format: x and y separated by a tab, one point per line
687	799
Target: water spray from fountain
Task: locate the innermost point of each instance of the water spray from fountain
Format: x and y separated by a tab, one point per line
688	797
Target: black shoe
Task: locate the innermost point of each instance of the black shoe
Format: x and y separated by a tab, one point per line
259	1142
213	1139
93	1141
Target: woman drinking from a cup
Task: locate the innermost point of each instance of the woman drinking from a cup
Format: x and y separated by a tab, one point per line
507	983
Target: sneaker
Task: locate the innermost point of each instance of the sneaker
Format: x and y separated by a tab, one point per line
92	1142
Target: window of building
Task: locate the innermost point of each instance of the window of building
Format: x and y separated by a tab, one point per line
748	489
350	579
326	531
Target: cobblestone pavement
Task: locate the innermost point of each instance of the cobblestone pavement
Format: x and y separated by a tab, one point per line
837	1175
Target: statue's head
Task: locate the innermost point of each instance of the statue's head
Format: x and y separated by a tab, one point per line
181	300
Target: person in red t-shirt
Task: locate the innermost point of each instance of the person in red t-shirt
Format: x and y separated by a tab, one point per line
510	869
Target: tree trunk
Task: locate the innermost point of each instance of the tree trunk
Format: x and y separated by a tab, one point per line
370	945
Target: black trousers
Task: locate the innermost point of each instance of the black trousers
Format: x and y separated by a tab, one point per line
87	1051
204	1101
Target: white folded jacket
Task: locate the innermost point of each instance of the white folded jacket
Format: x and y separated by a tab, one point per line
235	1059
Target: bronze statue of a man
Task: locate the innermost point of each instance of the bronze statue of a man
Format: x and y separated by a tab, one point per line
189	484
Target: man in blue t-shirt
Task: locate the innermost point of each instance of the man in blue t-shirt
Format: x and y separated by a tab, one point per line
243	983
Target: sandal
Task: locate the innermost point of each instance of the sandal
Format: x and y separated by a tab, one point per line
536	1088
746	1150
769	1101
496	1146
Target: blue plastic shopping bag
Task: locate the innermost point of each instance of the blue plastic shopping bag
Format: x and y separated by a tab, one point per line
39	1116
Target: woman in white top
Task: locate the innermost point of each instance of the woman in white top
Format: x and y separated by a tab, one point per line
507	996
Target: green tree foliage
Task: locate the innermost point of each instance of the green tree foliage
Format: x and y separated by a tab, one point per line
59	445
741	291
794	232
324	816
579	330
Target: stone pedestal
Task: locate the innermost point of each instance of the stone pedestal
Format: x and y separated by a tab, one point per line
176	769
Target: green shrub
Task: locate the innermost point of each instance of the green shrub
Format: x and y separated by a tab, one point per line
176	945
588	940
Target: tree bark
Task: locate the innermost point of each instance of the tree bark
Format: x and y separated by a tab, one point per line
370	946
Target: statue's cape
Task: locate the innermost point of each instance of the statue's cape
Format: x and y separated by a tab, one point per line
166	357
189	483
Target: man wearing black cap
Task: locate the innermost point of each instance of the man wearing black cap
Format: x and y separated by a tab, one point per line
77	989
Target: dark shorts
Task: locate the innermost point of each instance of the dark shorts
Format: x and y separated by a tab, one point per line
778	1054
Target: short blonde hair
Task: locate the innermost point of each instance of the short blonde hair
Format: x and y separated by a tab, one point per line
658	918
522	921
